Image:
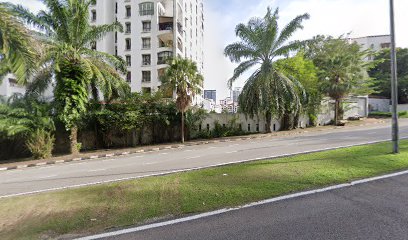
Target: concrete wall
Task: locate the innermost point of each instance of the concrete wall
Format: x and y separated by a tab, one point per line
401	107
379	105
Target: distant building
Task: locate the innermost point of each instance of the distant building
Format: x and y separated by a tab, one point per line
375	43
9	86
235	94
210	94
228	105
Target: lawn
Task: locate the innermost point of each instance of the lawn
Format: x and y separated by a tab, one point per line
99	208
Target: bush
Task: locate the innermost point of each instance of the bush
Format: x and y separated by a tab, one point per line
41	144
403	114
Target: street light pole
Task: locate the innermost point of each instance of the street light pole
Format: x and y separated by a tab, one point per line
394	84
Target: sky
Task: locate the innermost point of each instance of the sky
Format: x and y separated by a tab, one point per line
328	17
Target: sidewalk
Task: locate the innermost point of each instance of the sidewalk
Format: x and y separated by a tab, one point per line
21	164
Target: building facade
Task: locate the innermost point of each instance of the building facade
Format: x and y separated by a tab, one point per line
210	94
154	30
375	43
9	86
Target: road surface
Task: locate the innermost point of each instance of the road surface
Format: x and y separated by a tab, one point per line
59	176
375	210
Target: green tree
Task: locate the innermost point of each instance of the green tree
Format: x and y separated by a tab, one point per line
342	70
30	120
183	78
68	39
17	47
305	72
267	90
382	74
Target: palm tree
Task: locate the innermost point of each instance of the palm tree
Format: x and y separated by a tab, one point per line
17	47
268	90
183	78
68	38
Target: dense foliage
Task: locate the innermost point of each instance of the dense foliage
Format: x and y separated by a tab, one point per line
382	74
305	72
342	69
29	120
67	38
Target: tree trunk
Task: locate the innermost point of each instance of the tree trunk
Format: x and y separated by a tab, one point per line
268	117
73	137
296	119
336	112
287	121
182	127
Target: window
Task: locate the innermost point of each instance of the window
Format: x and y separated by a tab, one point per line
385	45
146	43
146	76
93	13
147	26
128	11
129	77
146	59
128	27
146	90
146	8
93	46
163	56
128	60
128	44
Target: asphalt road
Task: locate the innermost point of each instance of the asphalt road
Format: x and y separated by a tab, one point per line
96	171
376	210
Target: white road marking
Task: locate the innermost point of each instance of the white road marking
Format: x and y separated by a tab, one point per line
50	176
225	210
193	157
164	153
98	170
231	152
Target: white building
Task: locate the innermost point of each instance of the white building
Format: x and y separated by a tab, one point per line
154	30
9	86
375	43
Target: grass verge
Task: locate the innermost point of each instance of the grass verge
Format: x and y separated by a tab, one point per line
99	208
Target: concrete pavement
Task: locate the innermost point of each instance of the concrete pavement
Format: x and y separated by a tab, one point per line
375	210
76	174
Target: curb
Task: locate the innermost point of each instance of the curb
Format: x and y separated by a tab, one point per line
152	149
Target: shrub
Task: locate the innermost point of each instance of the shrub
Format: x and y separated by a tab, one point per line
41	144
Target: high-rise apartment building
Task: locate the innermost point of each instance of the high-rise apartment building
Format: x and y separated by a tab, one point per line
154	30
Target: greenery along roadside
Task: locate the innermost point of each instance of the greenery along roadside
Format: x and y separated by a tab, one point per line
98	208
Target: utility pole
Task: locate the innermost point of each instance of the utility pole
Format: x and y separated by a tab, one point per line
394	84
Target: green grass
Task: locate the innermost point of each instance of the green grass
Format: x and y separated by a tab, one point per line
403	114
99	208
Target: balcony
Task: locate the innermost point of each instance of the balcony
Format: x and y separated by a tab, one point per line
166	29
163	57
